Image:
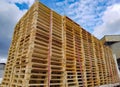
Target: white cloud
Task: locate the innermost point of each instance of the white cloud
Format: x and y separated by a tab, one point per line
3	60
111	22
82	11
87	13
29	2
9	15
59	3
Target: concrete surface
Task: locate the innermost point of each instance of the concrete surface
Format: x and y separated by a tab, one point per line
111	38
116	49
2	66
109	85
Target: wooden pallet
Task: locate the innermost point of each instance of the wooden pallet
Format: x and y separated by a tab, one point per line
95	62
50	50
88	58
111	67
71	75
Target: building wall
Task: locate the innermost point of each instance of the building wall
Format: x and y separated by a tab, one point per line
112	38
2	66
116	49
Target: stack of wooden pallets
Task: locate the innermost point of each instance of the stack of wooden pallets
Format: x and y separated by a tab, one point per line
50	50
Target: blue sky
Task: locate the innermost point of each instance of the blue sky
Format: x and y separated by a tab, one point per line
99	17
22	6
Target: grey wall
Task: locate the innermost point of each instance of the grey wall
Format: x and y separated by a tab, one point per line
116	49
2	66
1	73
112	38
